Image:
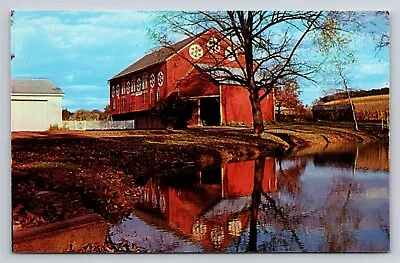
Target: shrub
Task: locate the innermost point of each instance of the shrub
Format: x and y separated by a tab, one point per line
174	111
238	124
54	127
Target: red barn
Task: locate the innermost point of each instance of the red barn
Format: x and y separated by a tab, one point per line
215	210
183	68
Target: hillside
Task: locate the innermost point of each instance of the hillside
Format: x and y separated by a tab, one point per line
367	108
353	94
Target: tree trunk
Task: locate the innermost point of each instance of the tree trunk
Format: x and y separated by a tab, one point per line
256	111
348	95
255	202
352	109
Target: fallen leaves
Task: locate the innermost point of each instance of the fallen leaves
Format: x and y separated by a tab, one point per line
107	247
58	175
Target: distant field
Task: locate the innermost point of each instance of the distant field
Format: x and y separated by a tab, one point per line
368	108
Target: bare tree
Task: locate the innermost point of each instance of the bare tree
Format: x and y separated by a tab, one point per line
269	42
344	80
338	69
384	37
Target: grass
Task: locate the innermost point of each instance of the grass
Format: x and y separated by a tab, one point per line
104	171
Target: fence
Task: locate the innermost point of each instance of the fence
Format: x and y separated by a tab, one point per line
99	125
385	124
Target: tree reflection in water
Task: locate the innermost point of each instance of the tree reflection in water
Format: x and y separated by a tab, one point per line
337	219
270	211
300	206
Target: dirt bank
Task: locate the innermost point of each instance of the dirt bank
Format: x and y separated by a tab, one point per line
57	175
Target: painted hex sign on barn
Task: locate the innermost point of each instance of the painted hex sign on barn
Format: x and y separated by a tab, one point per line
184	68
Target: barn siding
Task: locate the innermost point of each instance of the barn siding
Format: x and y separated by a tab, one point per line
181	75
137	101
143	120
236	106
333	112
181	210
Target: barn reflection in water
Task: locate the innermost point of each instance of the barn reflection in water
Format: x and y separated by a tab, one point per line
329	199
214	208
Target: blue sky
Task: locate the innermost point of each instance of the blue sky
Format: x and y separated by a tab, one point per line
81	50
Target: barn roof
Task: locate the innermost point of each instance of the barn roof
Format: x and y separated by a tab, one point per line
34	86
334	107
156	57
228	206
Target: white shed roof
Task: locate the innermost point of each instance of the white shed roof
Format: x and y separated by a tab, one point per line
34	86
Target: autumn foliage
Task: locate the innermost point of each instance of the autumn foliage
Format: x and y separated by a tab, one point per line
87	115
287	96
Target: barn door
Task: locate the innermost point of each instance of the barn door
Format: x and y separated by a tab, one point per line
210	111
29	115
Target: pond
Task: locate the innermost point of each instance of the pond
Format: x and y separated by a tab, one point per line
325	199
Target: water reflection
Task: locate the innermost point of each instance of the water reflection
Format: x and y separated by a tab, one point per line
329	199
69	235
214	209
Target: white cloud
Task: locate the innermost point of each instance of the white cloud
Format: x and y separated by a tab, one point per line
68	36
69	77
85	102
72	12
81	87
374	68
94	32
119	18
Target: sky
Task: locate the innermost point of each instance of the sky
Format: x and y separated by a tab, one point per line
80	50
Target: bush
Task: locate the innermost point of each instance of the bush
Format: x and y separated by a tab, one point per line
298	114
238	124
175	112
54	127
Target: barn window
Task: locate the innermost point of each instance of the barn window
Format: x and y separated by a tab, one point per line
133	87
151	96
229	54
199	230
138	84
162	203
117	91
113	105
217	236
213	45
160	78
235	227
144	84
158	94
112	91
154	199
123	89
195	51
152	80
128	87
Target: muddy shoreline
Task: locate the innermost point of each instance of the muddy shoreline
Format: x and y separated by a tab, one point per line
58	175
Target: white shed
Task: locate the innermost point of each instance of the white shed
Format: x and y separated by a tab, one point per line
35	104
